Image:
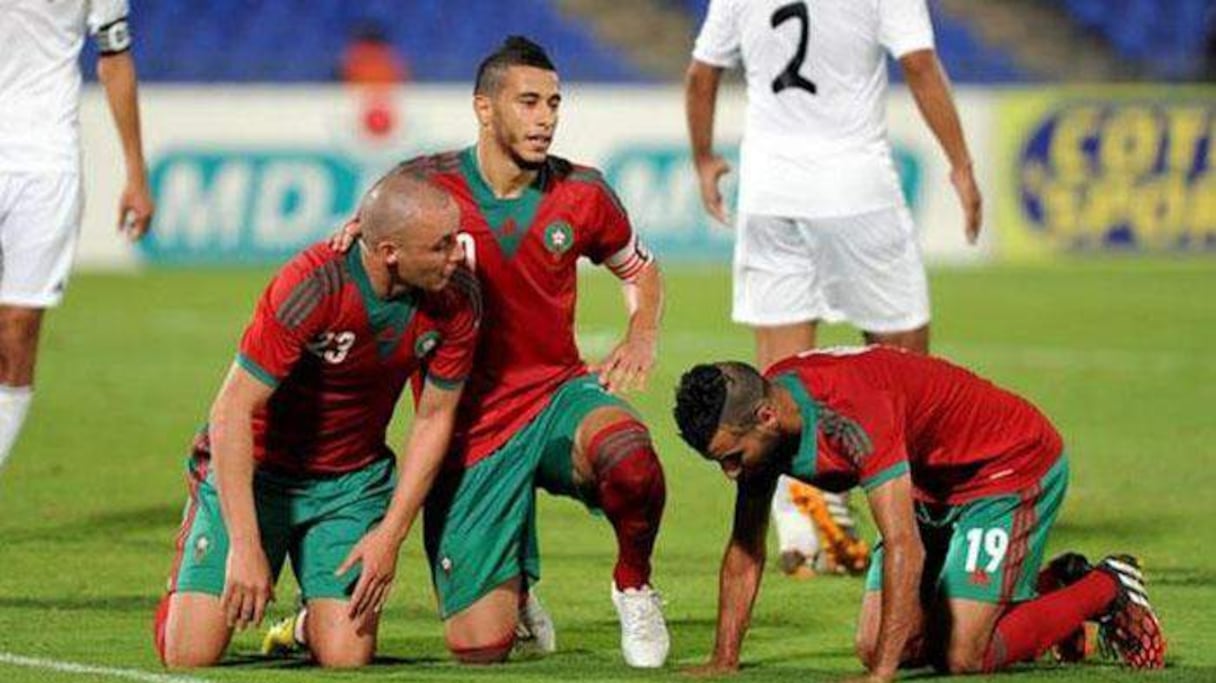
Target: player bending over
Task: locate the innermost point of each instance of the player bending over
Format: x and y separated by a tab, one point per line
294	460
964	480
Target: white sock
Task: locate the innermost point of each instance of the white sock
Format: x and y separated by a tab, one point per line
301	632
14	404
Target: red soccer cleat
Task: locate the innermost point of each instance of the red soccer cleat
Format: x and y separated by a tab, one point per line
1130	630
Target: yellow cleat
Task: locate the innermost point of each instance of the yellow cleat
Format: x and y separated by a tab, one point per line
280	639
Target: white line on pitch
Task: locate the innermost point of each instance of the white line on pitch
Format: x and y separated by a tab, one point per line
89	669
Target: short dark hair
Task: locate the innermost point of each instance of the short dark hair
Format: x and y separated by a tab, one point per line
514	51
714	396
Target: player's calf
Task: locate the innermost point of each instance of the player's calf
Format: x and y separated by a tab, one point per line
485	631
632	492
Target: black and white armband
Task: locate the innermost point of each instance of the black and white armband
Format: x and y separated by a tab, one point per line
113	38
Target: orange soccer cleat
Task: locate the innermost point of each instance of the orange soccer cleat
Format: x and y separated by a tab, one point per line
843	552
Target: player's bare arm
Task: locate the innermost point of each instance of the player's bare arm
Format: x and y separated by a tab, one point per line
931	89
116	72
903	562
419	463
248	585
742	569
700	100
627	367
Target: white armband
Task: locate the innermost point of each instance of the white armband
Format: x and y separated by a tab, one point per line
627	263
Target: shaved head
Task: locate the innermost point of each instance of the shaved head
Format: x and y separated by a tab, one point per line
409	226
396	202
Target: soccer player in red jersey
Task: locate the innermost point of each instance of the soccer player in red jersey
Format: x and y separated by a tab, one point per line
964	480
533	413
294	460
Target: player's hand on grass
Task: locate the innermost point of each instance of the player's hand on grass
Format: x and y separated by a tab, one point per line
135	209
247	586
377	553
341	240
709	174
968	192
628	366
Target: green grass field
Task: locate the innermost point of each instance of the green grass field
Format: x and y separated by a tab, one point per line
1118	352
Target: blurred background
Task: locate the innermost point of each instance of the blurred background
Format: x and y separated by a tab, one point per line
1090	120
1091	123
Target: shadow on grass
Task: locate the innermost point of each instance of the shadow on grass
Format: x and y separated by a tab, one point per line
107	603
107	525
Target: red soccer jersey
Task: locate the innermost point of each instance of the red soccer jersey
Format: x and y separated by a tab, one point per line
525	253
873	413
338	357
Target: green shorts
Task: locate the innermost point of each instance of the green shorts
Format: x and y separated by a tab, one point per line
989	549
481	521
315	520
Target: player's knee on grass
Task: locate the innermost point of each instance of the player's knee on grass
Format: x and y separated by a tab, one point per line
494	652
190	631
484	632
334	640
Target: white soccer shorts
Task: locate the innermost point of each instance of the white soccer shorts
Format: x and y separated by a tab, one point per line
39	226
865	269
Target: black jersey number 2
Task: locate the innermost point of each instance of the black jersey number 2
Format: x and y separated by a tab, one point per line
790	78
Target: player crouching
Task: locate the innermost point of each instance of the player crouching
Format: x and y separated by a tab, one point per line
964	480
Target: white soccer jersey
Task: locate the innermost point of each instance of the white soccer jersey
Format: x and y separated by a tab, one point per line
815	140
40	43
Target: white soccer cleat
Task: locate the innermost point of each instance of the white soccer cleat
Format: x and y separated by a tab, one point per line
644	638
535	634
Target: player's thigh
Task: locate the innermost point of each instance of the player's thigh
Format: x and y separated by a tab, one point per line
998	542
479	525
331	515
483	631
38	237
873	271
196	631
971	624
775	274
584	416
335	639
775	342
201	548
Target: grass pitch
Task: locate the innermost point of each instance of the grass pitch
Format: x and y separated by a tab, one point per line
1118	352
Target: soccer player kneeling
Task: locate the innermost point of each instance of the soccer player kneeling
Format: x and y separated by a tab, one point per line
294	460
964	480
